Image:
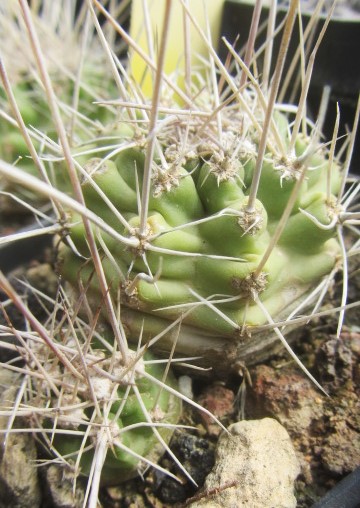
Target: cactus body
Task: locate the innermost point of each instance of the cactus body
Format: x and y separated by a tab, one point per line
127	426
207	245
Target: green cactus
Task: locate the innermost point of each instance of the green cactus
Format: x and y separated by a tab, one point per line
199	207
79	84
129	421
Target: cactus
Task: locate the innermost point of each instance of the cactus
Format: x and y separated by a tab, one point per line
79	82
130	415
99	413
234	217
203	239
195	216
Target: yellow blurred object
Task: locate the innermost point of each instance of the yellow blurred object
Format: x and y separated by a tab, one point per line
175	51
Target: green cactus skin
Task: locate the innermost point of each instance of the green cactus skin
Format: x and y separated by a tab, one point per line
163	407
35	113
207	208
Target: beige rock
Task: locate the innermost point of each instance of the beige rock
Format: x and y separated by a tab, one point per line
255	467
60	488
19	484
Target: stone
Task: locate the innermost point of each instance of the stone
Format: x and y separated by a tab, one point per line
197	457
219	400
19	487
19	483
255	467
59	488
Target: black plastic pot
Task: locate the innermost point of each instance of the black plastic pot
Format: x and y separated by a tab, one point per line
337	62
346	494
